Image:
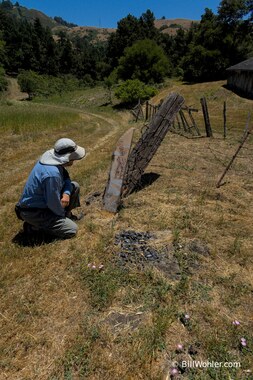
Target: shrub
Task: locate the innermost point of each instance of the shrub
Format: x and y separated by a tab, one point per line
45	85
3	81
131	91
29	82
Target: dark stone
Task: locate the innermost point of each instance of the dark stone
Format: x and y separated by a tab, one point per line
192	350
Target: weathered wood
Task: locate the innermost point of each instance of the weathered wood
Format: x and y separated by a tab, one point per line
150	141
146	113
194	125
224	120
112	194
150	110
137	111
184	121
209	132
178	122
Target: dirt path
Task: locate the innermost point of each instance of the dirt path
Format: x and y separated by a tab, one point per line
13	91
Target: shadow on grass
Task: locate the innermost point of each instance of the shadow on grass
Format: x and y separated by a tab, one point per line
238	92
36	238
146	180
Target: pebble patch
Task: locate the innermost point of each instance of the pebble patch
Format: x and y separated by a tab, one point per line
139	249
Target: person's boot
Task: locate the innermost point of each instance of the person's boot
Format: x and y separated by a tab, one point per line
73	217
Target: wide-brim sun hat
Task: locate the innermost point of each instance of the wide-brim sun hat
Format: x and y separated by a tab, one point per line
64	151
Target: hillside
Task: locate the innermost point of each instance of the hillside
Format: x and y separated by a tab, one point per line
23	13
64	316
169	26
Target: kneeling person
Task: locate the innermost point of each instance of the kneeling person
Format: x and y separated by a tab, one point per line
49	194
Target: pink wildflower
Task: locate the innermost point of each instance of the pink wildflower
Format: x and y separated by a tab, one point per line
173	371
243	342
180	347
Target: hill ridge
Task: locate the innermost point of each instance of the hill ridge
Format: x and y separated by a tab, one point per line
168	26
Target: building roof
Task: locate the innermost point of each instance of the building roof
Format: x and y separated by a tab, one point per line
243	66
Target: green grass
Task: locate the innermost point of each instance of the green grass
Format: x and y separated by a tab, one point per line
29	118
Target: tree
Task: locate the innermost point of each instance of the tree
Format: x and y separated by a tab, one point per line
147	25
146	61
217	42
231	11
127	33
130	30
6	4
201	64
66	54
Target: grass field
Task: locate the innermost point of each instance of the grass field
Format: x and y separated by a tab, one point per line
63	319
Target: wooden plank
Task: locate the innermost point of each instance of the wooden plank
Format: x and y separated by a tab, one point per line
112	194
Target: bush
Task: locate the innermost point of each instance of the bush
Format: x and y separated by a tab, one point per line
131	91
3	81
29	82
45	85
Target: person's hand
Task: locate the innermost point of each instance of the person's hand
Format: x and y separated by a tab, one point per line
65	200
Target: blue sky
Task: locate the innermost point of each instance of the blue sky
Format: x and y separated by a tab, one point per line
106	13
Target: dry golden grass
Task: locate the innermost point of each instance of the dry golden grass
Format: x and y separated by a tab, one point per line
61	320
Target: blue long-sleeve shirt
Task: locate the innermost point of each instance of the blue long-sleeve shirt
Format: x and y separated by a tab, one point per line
44	188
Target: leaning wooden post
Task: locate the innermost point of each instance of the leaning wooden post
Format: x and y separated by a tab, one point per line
193	121
146	115
245	136
150	141
225	120
209	132
184	122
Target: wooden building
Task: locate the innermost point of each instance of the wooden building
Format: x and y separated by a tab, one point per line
240	77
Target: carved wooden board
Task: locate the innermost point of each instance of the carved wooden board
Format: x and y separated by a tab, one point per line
112	194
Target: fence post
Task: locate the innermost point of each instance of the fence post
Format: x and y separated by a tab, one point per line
225	120
209	132
146	115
